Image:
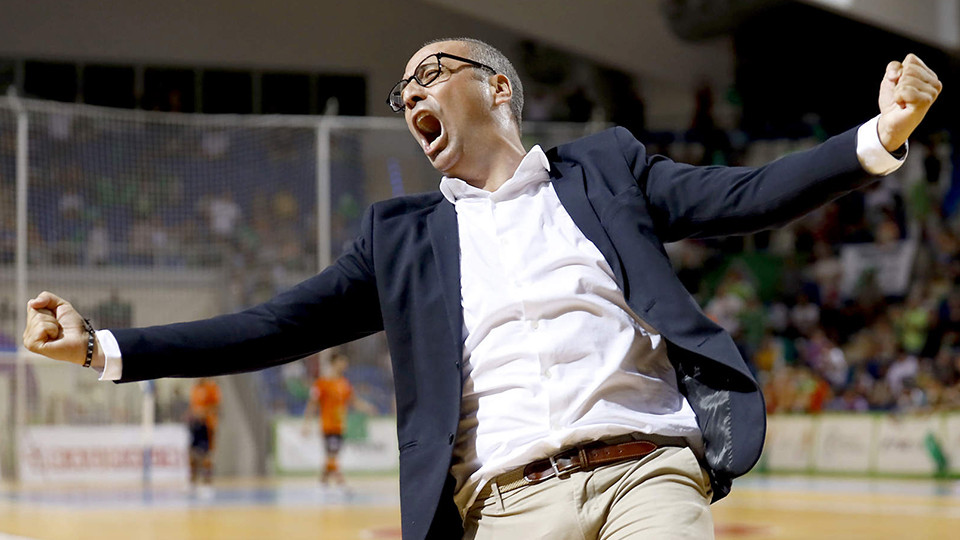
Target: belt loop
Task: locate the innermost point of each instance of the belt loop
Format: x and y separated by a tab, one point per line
496	489
584	460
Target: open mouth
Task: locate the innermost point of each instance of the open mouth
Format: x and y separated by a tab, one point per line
429	128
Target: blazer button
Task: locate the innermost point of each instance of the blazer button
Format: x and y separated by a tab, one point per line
458	365
450	438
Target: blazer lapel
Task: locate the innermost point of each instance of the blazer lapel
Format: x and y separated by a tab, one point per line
444	237
568	181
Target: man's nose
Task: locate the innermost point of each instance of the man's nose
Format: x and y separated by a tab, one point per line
412	93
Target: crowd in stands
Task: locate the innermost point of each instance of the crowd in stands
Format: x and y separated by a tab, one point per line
823	331
125	194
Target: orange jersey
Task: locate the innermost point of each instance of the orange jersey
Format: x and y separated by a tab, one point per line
204	399
333	395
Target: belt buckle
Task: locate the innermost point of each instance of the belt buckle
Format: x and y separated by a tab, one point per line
561	472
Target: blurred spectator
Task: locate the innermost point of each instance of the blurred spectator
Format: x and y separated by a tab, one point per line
902	370
539	105
913	322
823	356
805	315
867	295
887	231
778	317
725	309
148	240
911	397
827	272
98	244
704	130
946	328
626	107
733	294
850	400
814	392
285	207
215	144
769	355
579	106
114	312
223	214
174	101
177	408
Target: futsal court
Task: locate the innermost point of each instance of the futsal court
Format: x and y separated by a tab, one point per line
760	507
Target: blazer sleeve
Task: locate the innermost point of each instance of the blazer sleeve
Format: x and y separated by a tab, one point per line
339	304
688	201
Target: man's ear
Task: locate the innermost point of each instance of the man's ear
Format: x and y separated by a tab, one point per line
502	91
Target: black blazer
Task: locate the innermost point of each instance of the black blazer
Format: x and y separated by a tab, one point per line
402	275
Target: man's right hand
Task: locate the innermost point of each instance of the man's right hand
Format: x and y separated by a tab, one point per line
55	330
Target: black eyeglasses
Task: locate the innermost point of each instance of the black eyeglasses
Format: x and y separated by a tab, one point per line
428	70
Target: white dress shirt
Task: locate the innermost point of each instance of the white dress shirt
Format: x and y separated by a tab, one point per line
553	356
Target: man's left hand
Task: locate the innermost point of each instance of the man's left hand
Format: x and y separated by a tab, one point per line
908	90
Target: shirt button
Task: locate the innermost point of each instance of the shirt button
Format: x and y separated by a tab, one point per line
535	324
546	373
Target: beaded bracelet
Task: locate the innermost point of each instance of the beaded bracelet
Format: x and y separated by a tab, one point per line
90	341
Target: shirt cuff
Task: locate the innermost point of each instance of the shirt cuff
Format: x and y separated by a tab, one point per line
113	365
874	158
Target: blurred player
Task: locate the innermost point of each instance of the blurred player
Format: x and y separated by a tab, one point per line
204	408
333	395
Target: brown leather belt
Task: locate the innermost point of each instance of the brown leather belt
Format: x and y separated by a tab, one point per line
583	457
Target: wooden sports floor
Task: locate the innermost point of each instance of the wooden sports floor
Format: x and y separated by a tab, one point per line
761	507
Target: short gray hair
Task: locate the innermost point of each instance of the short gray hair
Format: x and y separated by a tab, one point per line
488	54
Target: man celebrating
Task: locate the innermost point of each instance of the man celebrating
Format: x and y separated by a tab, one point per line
554	379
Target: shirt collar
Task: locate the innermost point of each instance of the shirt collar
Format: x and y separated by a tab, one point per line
534	168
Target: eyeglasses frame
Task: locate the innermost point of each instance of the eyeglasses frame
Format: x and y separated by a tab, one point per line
402	83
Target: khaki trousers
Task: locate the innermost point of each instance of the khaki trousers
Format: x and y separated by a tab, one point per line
665	495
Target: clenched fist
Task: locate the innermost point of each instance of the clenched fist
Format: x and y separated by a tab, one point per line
908	90
55	330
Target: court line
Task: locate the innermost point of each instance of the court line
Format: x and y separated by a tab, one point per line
847	507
